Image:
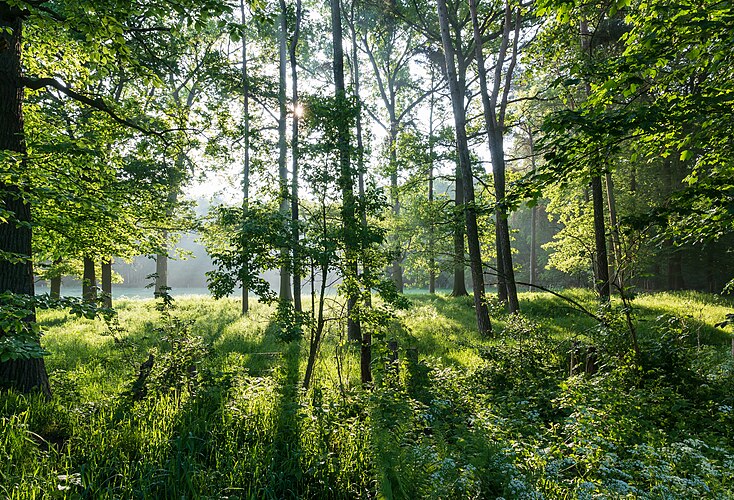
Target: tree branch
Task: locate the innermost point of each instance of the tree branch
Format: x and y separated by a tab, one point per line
96	103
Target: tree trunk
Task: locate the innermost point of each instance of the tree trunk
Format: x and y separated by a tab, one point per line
107	282
459	288
431	226
616	242
318	329
285	274
161	260
600	239
55	287
533	223
89	281
346	179
24	375
533	280
296	264
601	277
494	123
397	269
472	230
161	267
246	146
55	281
358	129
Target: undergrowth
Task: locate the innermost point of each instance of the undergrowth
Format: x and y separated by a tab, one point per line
219	412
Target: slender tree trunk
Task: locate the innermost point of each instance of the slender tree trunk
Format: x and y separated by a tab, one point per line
107	282
533	223
431	226
597	198
16	276
297	265
397	269
602	261
285	275
55	281
161	260
472	230
246	165
356	76
616	244
89	281
533	280
346	179
459	288
494	123
318	329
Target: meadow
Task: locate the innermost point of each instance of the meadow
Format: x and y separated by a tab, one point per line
221	413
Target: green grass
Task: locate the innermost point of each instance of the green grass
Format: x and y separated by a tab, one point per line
473	418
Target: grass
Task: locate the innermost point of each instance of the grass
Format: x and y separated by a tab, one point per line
225	416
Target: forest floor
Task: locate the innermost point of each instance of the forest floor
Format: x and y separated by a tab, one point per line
223	414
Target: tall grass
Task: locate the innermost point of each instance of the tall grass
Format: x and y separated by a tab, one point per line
468	417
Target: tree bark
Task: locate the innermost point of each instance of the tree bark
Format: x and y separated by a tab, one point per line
296	267
285	273
459	288
55	287
616	242
494	123
600	239
358	129
246	147
55	281
89	281
597	198
107	282
24	375
161	260
533	222
472	230
346	179
431	226
397	269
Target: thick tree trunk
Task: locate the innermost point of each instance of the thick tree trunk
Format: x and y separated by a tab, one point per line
296	267
285	271
346	179
16	276
472	230
55	287
107	282
89	281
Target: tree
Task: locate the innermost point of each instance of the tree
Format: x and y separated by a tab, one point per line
495	103
472	229
346	181
94	22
